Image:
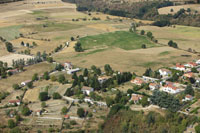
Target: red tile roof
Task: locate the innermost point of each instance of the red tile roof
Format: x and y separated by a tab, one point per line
136	97
14	101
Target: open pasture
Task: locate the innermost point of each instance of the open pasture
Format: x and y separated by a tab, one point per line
185	36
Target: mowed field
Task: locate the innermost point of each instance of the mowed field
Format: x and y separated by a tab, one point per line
121	39
167	10
185	36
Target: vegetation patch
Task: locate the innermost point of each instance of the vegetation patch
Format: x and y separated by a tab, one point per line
164	53
10	32
122	39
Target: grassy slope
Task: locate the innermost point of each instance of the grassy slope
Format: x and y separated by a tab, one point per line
10	32
121	39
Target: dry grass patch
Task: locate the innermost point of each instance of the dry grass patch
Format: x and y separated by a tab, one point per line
6	84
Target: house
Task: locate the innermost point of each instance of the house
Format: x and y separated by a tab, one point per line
87	90
165	72
14	102
66	116
191	65
71	71
38	112
102	79
136	98
180	67
68	65
188	75
188	98
25	82
88	100
170	88
149	79
137	81
13	71
198	62
154	86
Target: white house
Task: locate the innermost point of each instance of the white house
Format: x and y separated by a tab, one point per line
170	88
14	102
73	71
102	79
87	90
165	72
88	100
154	86
149	79
25	82
198	62
38	112
187	98
68	65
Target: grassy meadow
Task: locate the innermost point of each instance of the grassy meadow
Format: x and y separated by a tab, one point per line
121	39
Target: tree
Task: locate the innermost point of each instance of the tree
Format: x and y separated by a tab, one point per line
72	38
144	101
85	72
61	79
35	77
194	70
30	84
56	95
53	78
16	86
144	46
25	111
64	110
50	59
18	118
149	35
43	105
78	47
142	32
69	92
11	123
43	96
80	112
15	130
46	76
9	47
197	128
189	90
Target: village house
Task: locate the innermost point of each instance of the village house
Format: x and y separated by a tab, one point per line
137	81
102	79
154	86
136	98
165	72
170	88
68	65
87	90
13	71
88	100
25	82
191	64
188	98
180	67
188	75
149	79
14	102
66	116
71	71
38	112
198	62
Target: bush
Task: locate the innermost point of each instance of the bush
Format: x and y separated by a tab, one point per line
142	32
73	122
80	112
11	123
25	111
43	96
56	95
16	86
161	23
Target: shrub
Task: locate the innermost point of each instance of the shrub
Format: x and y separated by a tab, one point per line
81	112
56	95
43	96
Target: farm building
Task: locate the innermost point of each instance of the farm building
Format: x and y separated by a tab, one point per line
165	72
14	102
67	65
136	98
87	90
73	71
137	81
154	86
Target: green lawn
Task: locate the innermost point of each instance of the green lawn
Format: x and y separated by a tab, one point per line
122	39
10	32
49	26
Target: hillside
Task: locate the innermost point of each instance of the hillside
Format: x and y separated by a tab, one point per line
8	1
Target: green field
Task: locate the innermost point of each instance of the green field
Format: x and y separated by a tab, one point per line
49	27
9	33
121	39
